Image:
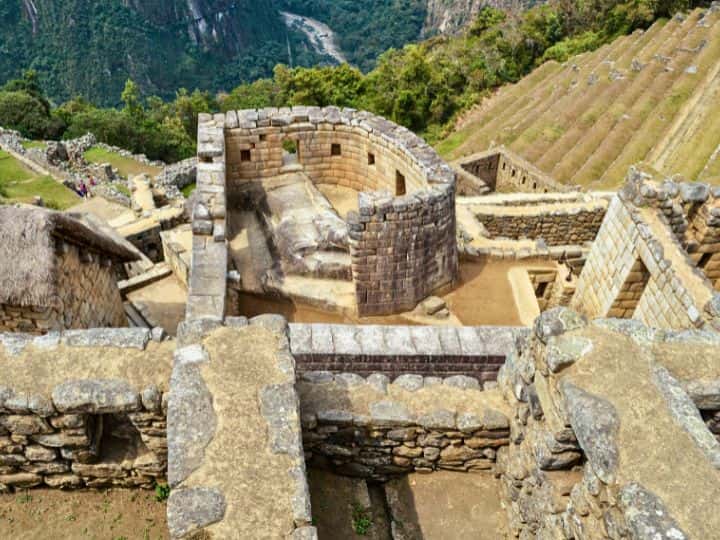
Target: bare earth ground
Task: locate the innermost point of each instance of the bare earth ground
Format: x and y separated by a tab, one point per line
445	505
166	301
333	499
70	515
484	296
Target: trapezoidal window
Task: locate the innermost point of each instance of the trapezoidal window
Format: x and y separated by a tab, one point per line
335	149
371	158
627	299
399	184
704	260
244	155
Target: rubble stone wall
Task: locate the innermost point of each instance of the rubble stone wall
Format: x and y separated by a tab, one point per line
374	429
558	224
394	350
88	296
561	473
87	431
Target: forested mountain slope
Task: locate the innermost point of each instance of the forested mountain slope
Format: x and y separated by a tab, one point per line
89	48
652	96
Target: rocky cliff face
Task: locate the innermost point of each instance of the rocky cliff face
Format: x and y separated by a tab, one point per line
449	16
227	25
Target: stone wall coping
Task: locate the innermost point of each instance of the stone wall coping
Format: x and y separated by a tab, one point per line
121	338
532	199
560	208
203	469
377	340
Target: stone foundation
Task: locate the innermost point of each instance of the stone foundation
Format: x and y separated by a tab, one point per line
82	426
373	429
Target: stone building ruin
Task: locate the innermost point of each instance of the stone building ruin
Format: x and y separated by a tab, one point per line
597	415
58	273
396	247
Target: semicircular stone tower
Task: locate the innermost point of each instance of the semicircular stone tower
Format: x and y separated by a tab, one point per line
338	194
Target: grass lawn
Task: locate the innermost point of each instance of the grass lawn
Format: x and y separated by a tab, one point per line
126	166
19	184
27	145
187	190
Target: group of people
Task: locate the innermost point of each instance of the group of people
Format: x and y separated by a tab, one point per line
82	188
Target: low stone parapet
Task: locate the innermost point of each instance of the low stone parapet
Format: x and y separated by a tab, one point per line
376	429
394	350
604	441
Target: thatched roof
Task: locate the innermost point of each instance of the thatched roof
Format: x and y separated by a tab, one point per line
28	236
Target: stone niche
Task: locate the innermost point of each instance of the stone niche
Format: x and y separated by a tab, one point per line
401	239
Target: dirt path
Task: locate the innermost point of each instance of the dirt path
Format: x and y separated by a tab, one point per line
71	515
321	37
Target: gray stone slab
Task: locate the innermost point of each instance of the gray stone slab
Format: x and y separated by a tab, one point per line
470	343
372	340
685	414
301	338
389	414
280	407
646	515
399	341
322	339
191	421
595	423
426	340
345	340
124	338
191	510
98	396
449	340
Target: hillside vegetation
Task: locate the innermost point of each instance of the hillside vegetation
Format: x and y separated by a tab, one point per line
650	97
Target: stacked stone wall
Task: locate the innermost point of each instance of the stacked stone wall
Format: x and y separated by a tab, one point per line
84	432
560	475
395	350
561	225
394	435
87	296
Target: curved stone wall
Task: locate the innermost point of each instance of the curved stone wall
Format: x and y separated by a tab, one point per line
403	243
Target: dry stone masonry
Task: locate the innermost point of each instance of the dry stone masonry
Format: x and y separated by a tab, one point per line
646	261
82	425
376	429
402	239
441	351
500	170
601	449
